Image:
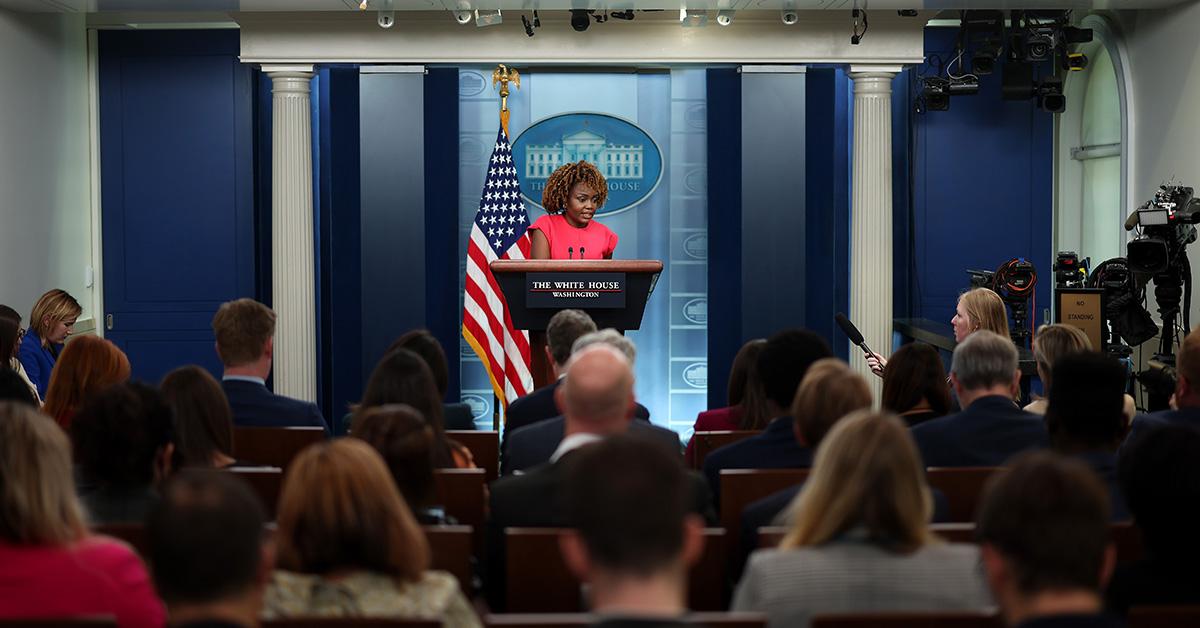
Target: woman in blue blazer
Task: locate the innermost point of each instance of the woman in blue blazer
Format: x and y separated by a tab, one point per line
50	323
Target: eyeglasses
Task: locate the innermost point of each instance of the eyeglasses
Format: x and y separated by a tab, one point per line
20	333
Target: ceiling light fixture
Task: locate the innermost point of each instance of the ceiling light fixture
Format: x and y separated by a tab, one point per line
693	18
725	17
488	18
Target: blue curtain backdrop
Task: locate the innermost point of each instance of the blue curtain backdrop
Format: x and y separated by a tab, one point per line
670	225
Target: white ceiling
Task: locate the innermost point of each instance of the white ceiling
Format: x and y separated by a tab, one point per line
201	6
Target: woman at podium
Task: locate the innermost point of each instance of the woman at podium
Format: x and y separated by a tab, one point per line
572	196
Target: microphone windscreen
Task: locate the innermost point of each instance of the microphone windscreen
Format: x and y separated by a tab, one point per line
849	329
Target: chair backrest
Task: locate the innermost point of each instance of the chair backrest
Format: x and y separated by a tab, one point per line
266	482
484	447
132	533
104	621
962	486
742	487
451	547
461	493
581	620
541	582
274	446
909	620
350	622
703	443
1163	616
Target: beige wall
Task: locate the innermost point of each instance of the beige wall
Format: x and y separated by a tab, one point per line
45	183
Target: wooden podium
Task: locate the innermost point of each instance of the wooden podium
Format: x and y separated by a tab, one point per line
612	292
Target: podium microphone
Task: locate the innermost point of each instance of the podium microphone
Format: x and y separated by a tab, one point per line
852	333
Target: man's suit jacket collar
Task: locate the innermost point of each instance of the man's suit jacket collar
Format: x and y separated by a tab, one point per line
990	404
248	379
779	427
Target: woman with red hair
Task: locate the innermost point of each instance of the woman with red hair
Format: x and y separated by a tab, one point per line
88	365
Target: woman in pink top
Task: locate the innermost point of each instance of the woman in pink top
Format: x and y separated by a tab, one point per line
572	196
50	566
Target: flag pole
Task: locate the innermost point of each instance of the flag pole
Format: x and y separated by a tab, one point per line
503	75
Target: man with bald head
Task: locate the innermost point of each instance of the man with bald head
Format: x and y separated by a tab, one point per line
596	398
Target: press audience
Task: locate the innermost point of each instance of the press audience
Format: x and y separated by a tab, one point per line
991	428
782	364
860	540
123	446
245	333
405	441
13	388
977	309
403	377
915	387
50	565
1160	477
1085	417
1043	528
203	421
1052	342
747	409
208	551
348	546
633	536
533	445
564	328
88	365
51	321
457	415
9	314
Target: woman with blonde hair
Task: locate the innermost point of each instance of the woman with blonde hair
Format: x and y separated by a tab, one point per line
348	545
51	321
87	366
1052	342
978	308
860	540
50	566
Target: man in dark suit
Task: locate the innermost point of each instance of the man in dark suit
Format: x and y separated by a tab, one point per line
633	536
1187	393
991	428
562	331
782	364
245	331
596	396
1044	543
530	445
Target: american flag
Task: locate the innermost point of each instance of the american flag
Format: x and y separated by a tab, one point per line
498	233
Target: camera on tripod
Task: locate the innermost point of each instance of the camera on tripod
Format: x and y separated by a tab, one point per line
1069	272
1168	225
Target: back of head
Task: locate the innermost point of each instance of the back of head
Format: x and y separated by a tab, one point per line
55	306
205	538
1087	403
984	360
746	387
868	474
1047	516
598	390
242	328
784	361
422	343
1188	360
203	419
9	341
564	329
610	337
1160	480
405	441
13	388
403	377
7	312
1053	342
986	310
915	373
87	365
628	499
37	495
829	391
119	434
339	509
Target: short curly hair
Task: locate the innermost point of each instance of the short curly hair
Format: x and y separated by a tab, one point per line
558	186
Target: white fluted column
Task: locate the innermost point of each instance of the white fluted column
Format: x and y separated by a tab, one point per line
871	212
292	257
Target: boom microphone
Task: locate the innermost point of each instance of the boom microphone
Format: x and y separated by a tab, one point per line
852	333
